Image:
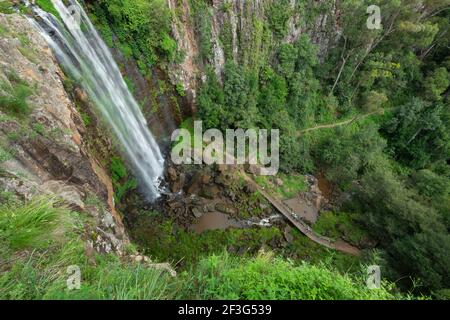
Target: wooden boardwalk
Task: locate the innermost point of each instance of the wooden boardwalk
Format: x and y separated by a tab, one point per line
289	214
300	225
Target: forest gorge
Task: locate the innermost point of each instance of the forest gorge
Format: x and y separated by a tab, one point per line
364	120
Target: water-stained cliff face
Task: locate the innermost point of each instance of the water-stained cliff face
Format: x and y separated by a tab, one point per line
185	38
43	138
245	31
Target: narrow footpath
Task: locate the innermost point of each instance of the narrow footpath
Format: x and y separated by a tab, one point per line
337	124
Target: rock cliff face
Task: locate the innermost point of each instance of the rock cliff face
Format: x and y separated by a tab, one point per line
43	145
238	31
183	32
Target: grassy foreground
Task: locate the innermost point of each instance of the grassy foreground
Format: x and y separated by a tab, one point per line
41	238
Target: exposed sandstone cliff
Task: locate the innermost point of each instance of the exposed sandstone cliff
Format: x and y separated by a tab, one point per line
238	31
45	149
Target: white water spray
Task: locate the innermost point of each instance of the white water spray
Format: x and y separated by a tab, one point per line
85	56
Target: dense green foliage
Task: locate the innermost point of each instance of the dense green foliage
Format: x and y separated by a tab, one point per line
393	83
122	180
340	224
142	28
163	243
40	239
202	23
290	184
269	98
371	111
6	7
14	94
266	277
48	6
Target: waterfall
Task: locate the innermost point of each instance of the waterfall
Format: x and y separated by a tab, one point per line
85	56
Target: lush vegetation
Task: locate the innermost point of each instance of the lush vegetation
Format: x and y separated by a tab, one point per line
14	99
369	109
286	186
337	225
6	7
41	239
268	277
393	87
123	182
142	28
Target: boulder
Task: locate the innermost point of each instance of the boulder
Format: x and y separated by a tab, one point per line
225	208
287	234
108	220
175	187
70	194
197	212
279	182
206	178
172	173
209	207
210	191
195	184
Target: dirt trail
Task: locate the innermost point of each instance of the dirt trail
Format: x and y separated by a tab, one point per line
342	123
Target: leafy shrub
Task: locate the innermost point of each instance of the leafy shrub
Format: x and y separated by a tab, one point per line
202	24
16	102
29	226
48	6
339	225
169	47
143	25
268	277
86	119
179	87
16	92
278	14
122	181
6	7
5	155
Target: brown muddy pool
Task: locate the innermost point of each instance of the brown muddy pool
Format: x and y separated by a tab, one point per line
214	221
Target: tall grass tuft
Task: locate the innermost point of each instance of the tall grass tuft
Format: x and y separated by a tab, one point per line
29	226
14	95
39	240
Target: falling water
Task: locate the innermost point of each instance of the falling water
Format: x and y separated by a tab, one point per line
85	56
